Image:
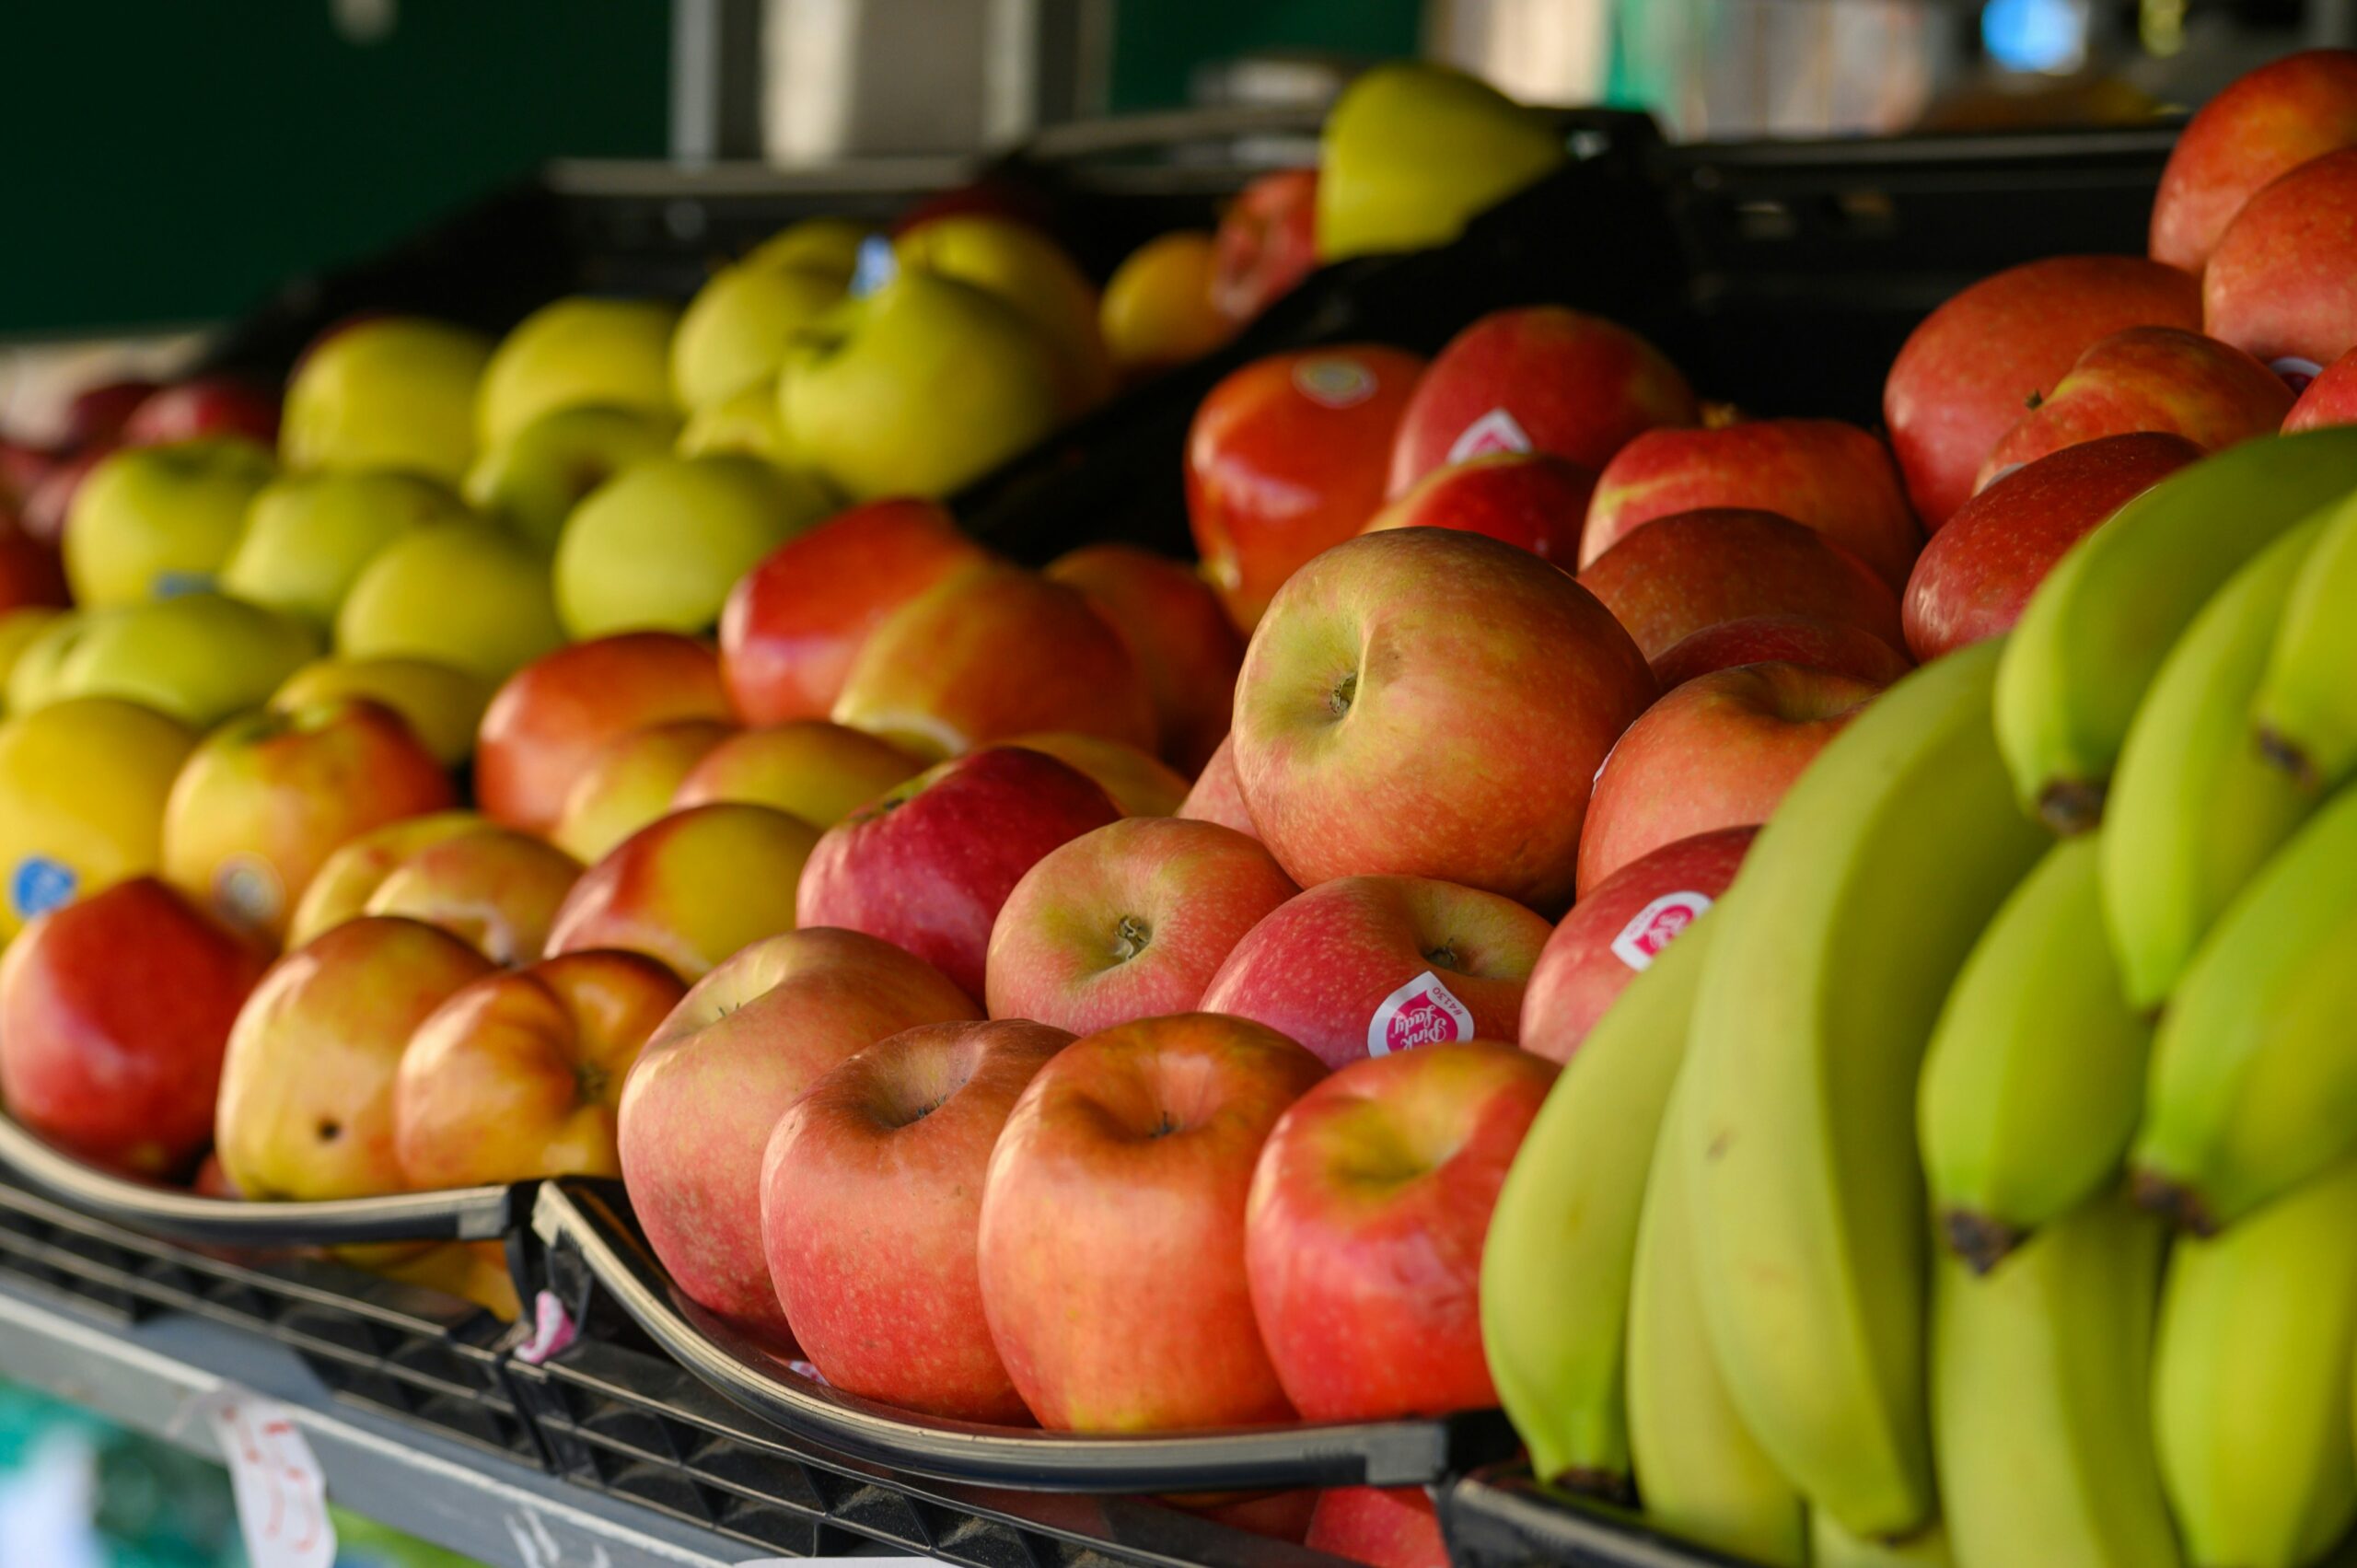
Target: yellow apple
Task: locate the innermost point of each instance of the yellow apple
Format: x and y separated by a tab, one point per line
82	790
199	658
826	246
629	783
690	888
392	393
341	889
614	351
308	536
150	522
36	676
494	888
532	480
1410	151
20	630
468	594
443	704
812	768
1028	271
746	421
736	330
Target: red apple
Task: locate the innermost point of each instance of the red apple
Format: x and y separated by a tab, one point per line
872	1211
1617	930
1779	639
22	467
1391	1527
30	573
2282	283
927	865
689	888
1280	1515
2265	123
1535	500
1366	966
2330	399
1676	576
1363	1241
1267	243
1113	1230
1967	371
1130	921
1433	703
1218	795
1978	574
698	1107
114	1014
1180	636
95	415
793	624
1718	752
1285	458
1819	472
2149	379
204	405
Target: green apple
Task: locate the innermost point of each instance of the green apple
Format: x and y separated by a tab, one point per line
659	547
308	536
469	595
746	421
827	246
199	658
736	328
1029	271
33	677
1412	151
616	352
916	389
20	630
154	521
389	392
532	480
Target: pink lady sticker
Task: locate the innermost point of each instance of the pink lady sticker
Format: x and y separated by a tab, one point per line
1332	381
1657	924
2296	372
1495	431
1422	1012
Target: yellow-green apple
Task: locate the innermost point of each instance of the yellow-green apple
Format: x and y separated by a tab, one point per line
1818	472
689	888
341	889
1975	578
37	673
1112	1243
917	389
264	799
794	622
1157	311
1617	930
82	789
1183	642
492	887
1020	266
2330	399
828	246
745	422
630	781
199	658
1410	151
306	1087
387	393
2277	286
927	865
1286	456
1678	574
809	768
1382	1527
1141	786
518	1075
1535	500
2149	379
204	405
872	1204
2264	123
579	350
1129	921
1965	372
151	522
554	715
308	536
532	482
1364	966
989	653
1362	1239
441	703
1389	718
659	546
1781	639
1217	796
469	595
698	1107
1267	243
1538	378
735	331
1718	752
114	1013
19	629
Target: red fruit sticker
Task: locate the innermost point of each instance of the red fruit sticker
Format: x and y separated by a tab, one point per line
2296	372
1422	1012
1655	926
1495	431
1332	381
281	1494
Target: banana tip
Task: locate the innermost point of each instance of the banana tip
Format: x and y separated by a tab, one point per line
2072	806
2173	1200
2290	756
1981	1241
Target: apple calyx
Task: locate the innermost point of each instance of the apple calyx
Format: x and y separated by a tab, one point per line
1130	937
1345	693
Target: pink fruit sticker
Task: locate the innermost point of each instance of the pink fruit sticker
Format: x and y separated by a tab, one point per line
1494	432
1657	924
1333	382
1422	1012
2296	372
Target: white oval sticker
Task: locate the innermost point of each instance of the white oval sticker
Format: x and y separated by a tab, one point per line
1332	381
1657	924
1422	1012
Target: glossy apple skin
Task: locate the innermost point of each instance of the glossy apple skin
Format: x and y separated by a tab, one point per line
2149	379
689	888
1574	384
631	782
2282	283
518	1075
1781	639
204	405
552	716
793	624
1533	500
1217	796
2263	123
1320	967
1140	786
1112	1231
1363	1240
1679	574
1285	458
114	1015
495	889
698	1107
872	1211
813	768
1130	921
1433	703
2330	399
1976	576
346	879
1965	373
1382	1526
1821	474
1180	637
1267	243
927	865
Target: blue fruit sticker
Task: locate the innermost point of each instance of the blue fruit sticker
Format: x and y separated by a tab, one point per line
173	585
40	885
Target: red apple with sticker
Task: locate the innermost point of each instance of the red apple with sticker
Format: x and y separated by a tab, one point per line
1533	500
2330	399
1382	1527
1781	639
2264	123
1677	575
1217	796
1181	638
2282	285
1266	244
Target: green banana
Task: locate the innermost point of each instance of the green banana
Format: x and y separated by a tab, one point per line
2036	1071
2306	713
1702	1473
1830	1546
2041	1383
2195	810
2251	1411
1856	906
2096	629
1562	1235
2254	1078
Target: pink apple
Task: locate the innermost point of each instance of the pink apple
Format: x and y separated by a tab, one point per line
1217	794
495	889
1535	500
1392	1526
1181	637
1267	243
2330	399
204	405
1779	639
2266	122
2149	379
2282	283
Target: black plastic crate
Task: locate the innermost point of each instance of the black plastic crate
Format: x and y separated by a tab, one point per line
1503	1518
